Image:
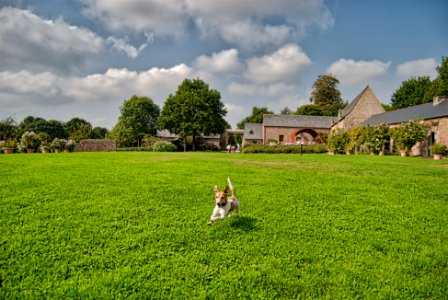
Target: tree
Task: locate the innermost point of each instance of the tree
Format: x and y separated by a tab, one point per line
8	129
255	117
98	133
309	110
74	123
138	118
325	92
411	92
439	86
193	110
286	111
55	129
82	132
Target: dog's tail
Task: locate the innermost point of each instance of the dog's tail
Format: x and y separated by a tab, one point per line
230	184
231	187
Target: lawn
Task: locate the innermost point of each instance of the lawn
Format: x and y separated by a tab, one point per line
134	225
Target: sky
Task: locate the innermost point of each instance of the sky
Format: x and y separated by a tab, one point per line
83	58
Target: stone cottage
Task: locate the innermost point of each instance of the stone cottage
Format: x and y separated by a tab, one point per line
295	129
365	105
433	115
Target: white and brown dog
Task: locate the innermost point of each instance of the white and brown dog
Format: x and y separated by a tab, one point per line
225	206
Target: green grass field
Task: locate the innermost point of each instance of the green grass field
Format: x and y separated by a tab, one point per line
134	225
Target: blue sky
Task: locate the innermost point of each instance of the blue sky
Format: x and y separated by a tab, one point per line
83	58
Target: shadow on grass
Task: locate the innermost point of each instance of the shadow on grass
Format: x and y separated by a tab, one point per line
243	223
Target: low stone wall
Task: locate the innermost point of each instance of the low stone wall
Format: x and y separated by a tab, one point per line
96	146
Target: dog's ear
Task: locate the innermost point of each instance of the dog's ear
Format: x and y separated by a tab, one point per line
226	190
215	189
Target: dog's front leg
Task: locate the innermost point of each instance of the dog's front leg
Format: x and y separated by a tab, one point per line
216	215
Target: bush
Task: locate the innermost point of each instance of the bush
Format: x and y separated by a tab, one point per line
439	149
337	140
162	146
408	134
257	148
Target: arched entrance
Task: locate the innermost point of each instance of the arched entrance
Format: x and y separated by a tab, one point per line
231	137
306	136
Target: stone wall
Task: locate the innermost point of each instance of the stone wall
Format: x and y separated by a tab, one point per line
442	131
366	107
96	146
289	134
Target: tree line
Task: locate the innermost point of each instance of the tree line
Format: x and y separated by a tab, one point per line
195	110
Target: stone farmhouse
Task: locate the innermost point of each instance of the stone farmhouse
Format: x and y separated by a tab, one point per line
296	129
365	109
433	115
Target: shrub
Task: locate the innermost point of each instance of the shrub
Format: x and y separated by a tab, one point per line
30	140
439	149
408	134
162	146
257	148
338	140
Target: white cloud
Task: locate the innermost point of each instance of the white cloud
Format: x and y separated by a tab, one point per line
235	113
124	47
419	67
282	65
352	72
245	23
271	90
249	35
114	84
225	61
163	17
32	43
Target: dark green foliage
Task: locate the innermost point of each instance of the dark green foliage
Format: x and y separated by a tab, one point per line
411	92
193	110
255	117
138	118
309	110
325	92
315	148
326	97
99	133
8	129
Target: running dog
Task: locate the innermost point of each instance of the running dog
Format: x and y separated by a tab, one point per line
224	206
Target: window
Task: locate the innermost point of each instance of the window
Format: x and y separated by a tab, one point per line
281	137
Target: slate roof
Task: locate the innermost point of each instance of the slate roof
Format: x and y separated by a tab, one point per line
253	131
298	121
419	112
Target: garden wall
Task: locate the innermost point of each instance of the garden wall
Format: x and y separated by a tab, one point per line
96	146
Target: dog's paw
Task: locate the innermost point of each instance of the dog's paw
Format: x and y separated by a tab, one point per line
210	223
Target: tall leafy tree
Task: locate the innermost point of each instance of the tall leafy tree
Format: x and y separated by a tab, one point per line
325	91
138	118
99	133
193	110
255	117
439	86
75	123
411	92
